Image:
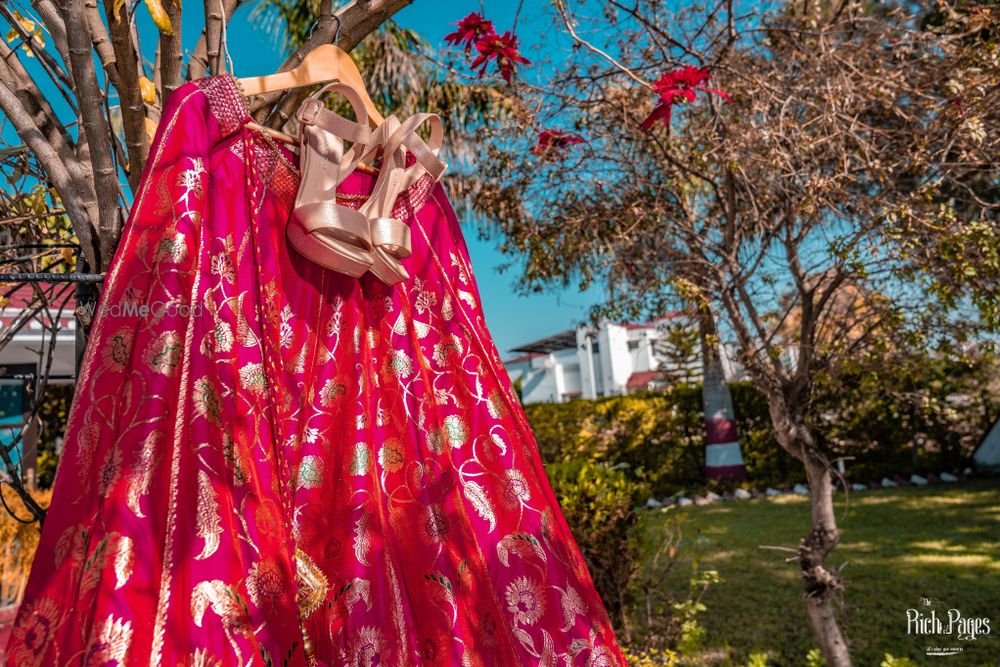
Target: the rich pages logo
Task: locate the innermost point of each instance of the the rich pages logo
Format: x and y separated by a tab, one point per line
944	627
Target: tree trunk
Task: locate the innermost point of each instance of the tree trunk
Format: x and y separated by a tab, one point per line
822	586
723	458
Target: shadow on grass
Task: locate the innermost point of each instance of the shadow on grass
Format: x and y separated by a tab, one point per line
897	545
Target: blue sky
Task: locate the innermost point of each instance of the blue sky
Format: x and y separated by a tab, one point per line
512	319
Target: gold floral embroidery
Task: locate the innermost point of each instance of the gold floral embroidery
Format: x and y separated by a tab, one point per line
448	351
447	310
208	522
112	643
234	462
119	348
266	518
88	438
361	539
486	628
456	430
515	488
253	378
481	503
72	542
94	564
264	584
310	472
312	584
367	647
172	247
522	544
35	632
467	297
436	524
361	459
436	439
390	455
222	266
110	471
358	590
225	601
440	590
191	182
333	389
525	601
400	364
206	400
425	300
600	656
141	474
218	339
124	561
201	658
495	404
164	353
572	606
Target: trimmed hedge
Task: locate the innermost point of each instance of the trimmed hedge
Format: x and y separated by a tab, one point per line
892	428
659	437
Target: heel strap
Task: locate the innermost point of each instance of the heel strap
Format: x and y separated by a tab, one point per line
390	236
313	113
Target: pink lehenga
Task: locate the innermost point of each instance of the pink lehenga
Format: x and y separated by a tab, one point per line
270	463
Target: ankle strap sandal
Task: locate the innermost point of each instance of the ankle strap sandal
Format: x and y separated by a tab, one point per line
337	237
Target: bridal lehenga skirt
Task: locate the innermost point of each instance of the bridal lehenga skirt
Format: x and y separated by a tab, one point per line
270	463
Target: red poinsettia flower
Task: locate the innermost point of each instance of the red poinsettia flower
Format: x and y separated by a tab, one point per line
554	139
677	87
470	30
503	49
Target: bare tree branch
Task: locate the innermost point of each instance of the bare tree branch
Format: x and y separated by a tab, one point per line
53	20
96	130
207	53
102	44
69	185
129	91
171	52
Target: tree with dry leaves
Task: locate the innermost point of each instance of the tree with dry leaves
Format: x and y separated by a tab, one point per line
90	53
778	168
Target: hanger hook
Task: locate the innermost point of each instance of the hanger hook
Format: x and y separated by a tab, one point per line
336	35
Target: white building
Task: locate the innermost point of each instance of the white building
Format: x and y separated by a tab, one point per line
613	360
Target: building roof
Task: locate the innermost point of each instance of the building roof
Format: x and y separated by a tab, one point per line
641	379
560	341
61	300
653	323
567	339
524	357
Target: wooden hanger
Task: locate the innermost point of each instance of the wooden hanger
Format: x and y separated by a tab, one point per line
325	63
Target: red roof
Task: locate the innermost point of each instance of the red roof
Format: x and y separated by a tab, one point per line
524	357
24	294
63	296
641	379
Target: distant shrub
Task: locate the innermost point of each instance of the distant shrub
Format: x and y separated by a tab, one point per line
927	416
659	436
18	542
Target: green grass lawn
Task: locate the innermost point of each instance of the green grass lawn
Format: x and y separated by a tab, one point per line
897	545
